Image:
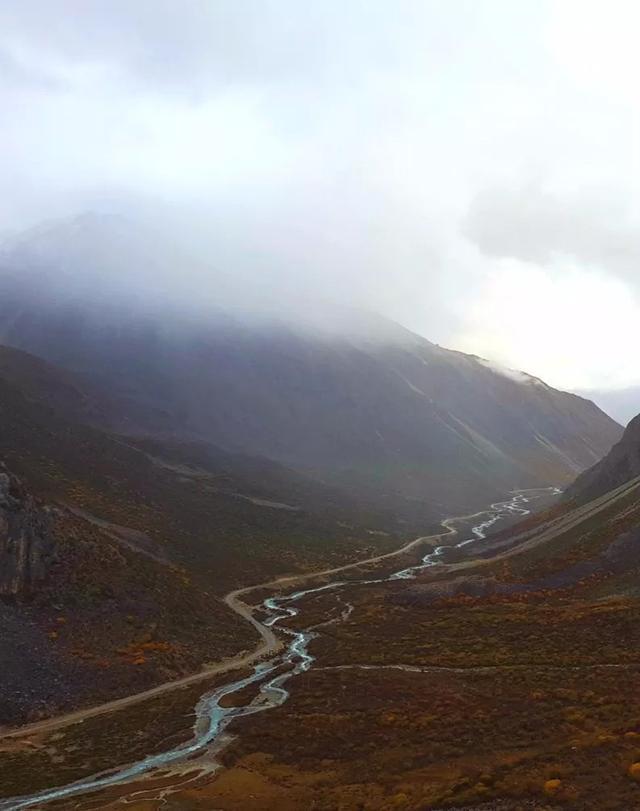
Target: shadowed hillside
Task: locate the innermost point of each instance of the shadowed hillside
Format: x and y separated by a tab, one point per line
115	554
617	467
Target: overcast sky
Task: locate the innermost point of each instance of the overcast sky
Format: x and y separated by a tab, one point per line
467	167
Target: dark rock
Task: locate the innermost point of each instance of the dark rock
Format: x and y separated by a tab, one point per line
26	545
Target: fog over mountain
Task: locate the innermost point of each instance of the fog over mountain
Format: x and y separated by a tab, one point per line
339	153
342	395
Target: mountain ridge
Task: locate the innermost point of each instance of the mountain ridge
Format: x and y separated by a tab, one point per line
351	399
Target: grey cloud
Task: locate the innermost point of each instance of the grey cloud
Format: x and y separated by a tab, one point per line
313	149
200	44
314	203
15	75
530	223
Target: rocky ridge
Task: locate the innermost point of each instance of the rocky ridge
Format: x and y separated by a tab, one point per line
26	544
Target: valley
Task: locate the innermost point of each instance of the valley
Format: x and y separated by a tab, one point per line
188	606
270	677
319	393
484	675
192	605
177	462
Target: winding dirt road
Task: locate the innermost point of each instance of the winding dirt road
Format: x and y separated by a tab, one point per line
268	645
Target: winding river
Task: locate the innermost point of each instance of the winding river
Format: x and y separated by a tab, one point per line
272	676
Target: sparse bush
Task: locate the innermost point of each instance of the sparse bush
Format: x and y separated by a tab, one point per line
552	787
634	771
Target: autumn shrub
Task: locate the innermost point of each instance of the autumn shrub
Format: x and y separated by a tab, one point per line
552	787
634	771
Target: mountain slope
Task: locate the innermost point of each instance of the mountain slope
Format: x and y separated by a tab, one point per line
361	403
115	552
620	465
195	499
87	612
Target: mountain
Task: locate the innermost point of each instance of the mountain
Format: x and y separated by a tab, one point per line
91	609
621	404
620	465
193	496
348	399
153	458
115	551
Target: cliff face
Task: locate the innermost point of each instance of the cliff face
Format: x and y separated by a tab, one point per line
26	545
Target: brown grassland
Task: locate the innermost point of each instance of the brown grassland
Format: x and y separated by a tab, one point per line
510	700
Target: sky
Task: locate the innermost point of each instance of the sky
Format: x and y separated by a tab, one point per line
469	169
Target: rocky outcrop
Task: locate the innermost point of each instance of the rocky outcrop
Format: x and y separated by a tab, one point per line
26	544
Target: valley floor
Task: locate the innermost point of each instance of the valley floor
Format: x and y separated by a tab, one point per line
506	678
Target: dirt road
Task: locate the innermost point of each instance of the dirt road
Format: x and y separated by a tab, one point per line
269	643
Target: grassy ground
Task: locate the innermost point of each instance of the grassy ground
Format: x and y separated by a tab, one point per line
61	757
510	700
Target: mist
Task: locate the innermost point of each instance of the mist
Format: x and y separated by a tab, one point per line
460	168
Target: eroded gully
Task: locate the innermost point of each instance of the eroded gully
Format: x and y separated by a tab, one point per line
271	676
